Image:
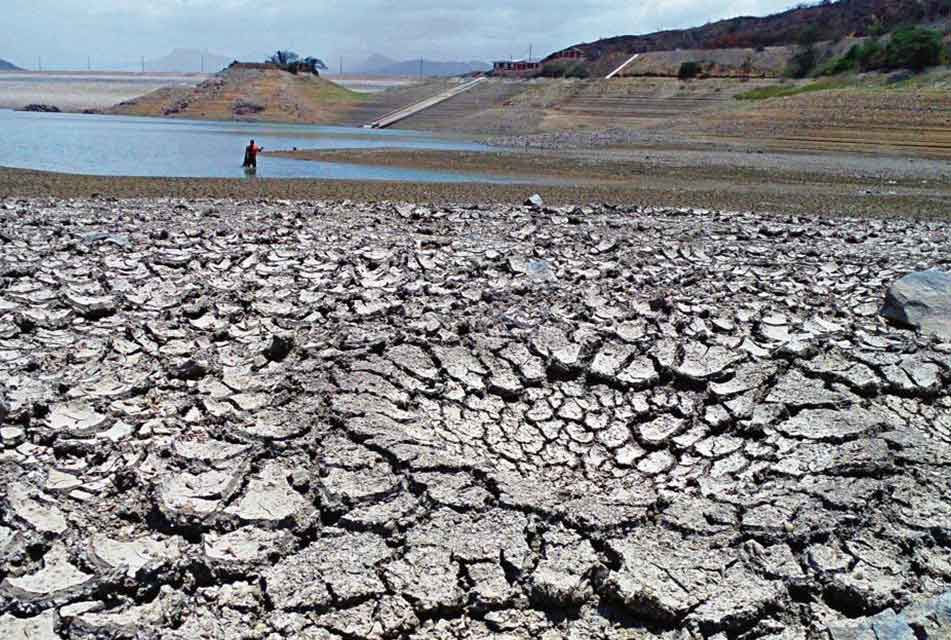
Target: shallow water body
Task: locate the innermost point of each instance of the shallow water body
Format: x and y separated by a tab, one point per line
155	147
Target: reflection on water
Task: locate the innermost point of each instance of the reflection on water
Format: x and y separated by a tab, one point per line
126	146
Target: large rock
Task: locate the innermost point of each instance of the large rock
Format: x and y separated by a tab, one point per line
926	620
921	300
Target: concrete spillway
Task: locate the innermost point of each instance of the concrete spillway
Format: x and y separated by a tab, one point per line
405	112
621	68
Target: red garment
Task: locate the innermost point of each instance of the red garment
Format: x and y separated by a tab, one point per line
251	155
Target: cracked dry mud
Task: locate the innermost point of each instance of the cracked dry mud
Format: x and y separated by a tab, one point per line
334	421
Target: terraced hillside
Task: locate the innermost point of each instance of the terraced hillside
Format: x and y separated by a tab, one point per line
877	120
636	102
514	108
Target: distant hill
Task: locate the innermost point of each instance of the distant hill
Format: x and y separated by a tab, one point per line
378	65
189	60
8	66
248	92
373	63
828	21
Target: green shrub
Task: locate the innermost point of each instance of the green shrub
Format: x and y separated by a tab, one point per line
912	47
802	64
875	28
835	66
564	69
577	70
915	48
870	55
554	69
843	64
784	91
689	70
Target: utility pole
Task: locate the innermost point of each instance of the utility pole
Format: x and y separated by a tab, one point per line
143	64
39	63
202	62
420	67
530	52
341	65
88	63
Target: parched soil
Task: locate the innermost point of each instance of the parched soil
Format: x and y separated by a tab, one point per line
337	421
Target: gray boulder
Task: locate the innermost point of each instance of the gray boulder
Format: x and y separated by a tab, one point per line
921	300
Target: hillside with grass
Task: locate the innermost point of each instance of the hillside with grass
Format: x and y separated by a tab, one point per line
256	93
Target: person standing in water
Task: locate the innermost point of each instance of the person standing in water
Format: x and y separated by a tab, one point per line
251	155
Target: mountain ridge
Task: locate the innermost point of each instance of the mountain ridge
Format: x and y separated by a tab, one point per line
826	21
8	66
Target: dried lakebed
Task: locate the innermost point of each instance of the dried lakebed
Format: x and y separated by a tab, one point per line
263	419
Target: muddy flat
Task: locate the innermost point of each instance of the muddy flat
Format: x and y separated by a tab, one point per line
763	194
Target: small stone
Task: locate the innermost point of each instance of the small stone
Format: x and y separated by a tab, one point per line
535	201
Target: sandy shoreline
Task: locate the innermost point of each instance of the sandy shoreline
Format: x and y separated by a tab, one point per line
725	194
655	160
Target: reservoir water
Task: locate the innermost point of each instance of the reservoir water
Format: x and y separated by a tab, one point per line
155	147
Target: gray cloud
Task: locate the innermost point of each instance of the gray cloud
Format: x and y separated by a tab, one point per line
120	31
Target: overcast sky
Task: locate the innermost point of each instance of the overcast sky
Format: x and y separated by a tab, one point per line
65	32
